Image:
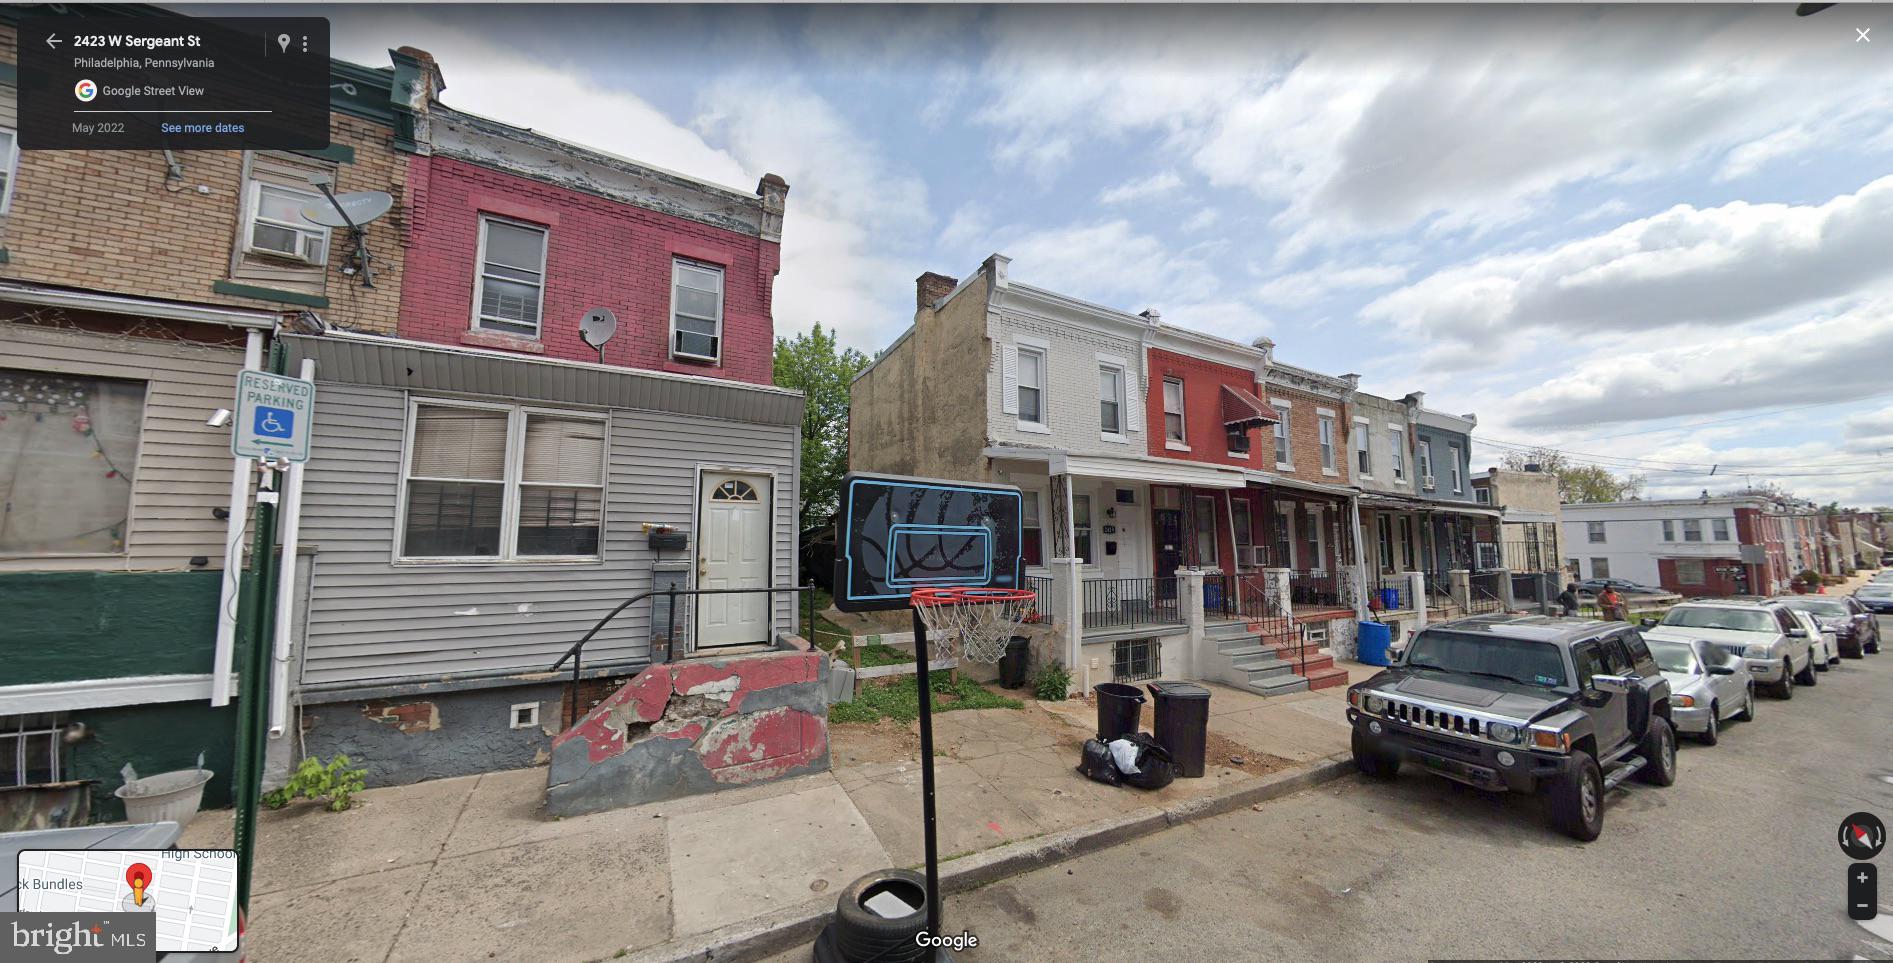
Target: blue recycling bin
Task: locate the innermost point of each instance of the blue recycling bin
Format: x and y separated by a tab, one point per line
1372	642
1213	595
1389	599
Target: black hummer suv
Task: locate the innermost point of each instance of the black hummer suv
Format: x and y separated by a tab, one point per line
1568	708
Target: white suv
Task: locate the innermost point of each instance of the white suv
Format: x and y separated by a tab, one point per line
1765	634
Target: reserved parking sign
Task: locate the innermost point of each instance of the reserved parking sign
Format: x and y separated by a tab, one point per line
273	414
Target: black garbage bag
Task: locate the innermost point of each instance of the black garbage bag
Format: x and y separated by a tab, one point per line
1155	768
1096	764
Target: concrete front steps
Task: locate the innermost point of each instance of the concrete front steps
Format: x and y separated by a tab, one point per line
1263	663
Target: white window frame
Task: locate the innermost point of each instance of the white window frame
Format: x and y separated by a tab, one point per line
1596	534
510	485
12	165
1242	525
1039	502
1285	450
1215	546
479	277
1182	413
1459	487
1089	528
1363	449
722	294
1720	529
1425	447
1397	441
253	215
1329	444
1044	356
1597	563
1669	530
1692	526
1123	409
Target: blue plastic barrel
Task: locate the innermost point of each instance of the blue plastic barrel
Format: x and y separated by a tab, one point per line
1372	642
1390	599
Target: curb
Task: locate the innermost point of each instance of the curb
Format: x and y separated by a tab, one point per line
756	938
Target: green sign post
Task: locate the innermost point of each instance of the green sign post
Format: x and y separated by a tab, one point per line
256	603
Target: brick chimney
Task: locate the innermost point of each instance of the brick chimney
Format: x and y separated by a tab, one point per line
929	288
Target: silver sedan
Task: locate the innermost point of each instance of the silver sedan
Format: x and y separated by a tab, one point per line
1707	685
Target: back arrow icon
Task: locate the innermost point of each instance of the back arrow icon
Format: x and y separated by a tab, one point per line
52	42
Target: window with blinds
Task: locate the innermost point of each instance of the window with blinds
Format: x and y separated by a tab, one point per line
503	482
511	285
696	319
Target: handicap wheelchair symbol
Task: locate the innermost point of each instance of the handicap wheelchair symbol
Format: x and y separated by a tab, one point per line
275	422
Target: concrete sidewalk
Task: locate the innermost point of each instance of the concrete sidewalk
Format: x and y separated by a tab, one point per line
471	869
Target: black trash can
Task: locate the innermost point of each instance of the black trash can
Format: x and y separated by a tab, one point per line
1182	724
1012	664
1118	708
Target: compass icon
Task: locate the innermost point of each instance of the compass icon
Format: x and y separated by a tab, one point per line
1862	836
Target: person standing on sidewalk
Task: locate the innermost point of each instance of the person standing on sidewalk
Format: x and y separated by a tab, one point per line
1568	599
1612	604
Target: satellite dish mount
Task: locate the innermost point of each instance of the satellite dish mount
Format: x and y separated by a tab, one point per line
352	211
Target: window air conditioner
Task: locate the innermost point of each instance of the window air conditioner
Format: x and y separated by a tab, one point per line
1259	556
1426	482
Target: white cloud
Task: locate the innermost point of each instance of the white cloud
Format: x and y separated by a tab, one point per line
1143	188
1684	266
1106	261
1307	287
1202	220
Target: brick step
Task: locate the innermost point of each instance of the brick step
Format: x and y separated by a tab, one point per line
1316	660
1326	678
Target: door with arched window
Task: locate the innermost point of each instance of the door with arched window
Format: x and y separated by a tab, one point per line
733	552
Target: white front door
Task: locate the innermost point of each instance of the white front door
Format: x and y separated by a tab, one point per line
733	552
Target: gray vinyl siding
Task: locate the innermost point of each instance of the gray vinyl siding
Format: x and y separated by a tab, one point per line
183	464
373	620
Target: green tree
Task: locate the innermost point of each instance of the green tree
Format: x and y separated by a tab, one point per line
815	365
1578	482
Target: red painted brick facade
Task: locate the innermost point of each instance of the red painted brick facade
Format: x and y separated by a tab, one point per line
1714	581
1202	410
599	253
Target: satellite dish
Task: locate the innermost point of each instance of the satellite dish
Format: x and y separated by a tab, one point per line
349	210
598	327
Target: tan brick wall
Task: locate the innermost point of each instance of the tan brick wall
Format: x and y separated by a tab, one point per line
109	221
1304	435
920	410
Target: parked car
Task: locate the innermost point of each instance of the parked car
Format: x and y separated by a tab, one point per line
1883	575
1820	640
1876	596
1707	685
1566	708
1849	621
1765	634
1592	586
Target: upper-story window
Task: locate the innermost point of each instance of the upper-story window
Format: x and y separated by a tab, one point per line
1032	385
1452	451
1284	456
9	162
1594	531
1692	529
696	310
1669	530
1324	430
1721	527
68	453
1426	464
1111	399
1482	495
1397	442
277	227
510	291
1363	448
1173	426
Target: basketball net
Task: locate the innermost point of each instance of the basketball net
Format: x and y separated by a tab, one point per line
972	623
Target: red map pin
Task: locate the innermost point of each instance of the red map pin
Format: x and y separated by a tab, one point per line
139	877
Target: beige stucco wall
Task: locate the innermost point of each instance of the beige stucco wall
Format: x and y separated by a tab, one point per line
920	410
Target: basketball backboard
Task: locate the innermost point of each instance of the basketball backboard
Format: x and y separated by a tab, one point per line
895	534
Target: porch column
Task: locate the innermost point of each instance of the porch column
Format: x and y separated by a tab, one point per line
1070	591
1461	582
1505	589
1190	606
1358	569
1416	591
1275	592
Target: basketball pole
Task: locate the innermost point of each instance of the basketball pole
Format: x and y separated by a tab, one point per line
926	774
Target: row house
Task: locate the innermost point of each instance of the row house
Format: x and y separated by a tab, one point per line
134	287
1167	472
577	408
1528	533
1737	545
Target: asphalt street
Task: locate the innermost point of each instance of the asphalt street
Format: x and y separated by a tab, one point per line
1737	860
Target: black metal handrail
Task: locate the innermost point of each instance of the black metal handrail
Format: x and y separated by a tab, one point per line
576	652
1041	607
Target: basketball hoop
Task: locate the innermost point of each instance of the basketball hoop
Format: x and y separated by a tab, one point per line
973	623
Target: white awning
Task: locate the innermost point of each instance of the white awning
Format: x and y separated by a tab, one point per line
1270	478
1156	471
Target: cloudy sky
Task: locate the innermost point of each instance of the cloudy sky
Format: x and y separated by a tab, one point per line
1655	236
